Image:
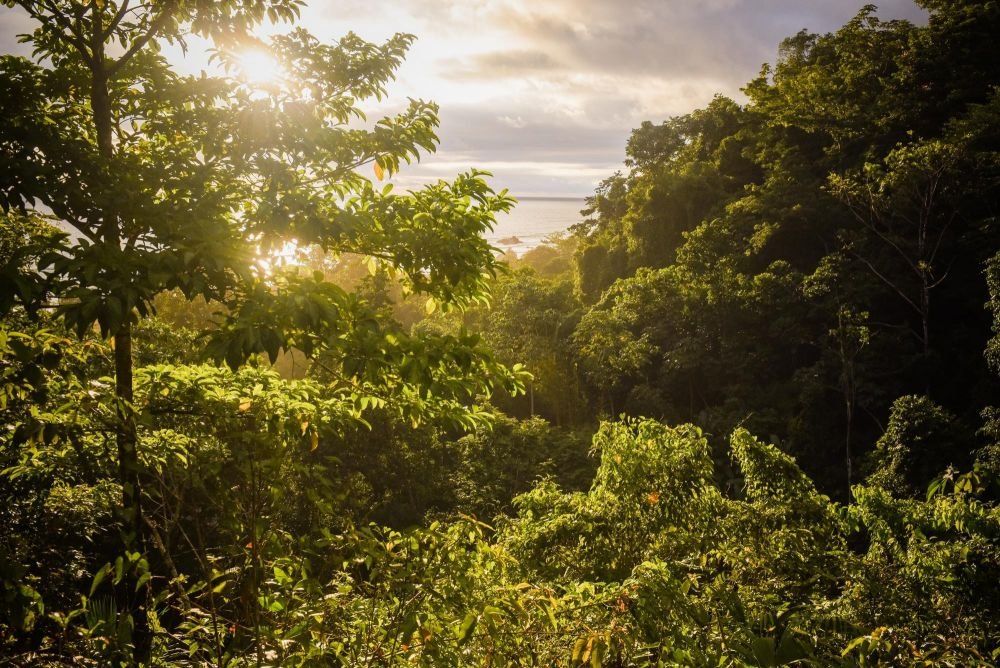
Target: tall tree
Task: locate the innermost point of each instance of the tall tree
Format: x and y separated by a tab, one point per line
166	182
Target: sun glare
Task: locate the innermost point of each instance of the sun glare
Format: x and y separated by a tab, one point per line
257	66
285	257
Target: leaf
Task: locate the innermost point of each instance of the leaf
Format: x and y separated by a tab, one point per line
143	579
851	646
763	651
790	649
587	650
578	650
245	405
99	577
379	172
467	628
597	656
550	612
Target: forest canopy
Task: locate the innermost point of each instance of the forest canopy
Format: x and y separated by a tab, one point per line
743	414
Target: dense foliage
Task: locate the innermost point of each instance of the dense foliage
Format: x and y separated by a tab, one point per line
798	262
211	459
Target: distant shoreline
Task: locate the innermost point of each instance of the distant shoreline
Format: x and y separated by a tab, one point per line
549	199
533	220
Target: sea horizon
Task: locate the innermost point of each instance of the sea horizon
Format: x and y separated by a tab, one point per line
532	220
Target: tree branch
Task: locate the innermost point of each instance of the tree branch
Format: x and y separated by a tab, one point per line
889	283
176	581
122	11
944	230
74	38
157	24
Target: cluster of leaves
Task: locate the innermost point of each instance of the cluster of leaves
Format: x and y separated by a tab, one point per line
251	486
764	570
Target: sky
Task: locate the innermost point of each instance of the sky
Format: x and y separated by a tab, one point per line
544	93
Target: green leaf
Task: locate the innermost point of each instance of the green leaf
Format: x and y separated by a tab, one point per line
551	614
467	628
142	579
578	648
763	651
99	578
597	654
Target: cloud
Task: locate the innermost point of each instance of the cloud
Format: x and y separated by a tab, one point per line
14	22
720	39
489	134
541	154
503	64
577	73
547	91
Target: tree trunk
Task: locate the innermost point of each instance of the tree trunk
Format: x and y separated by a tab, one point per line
849	410
132	530
925	325
133	538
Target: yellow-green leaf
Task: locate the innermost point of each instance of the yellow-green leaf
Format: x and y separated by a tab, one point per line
467	628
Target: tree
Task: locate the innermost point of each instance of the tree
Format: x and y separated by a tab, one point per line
902	205
163	181
920	442
530	322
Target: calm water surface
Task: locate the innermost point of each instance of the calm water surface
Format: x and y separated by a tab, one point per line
532	220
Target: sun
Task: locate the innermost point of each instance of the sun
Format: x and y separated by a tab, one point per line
258	66
288	256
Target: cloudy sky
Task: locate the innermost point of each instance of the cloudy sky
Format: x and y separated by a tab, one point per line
543	93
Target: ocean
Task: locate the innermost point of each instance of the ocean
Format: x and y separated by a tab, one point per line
533	219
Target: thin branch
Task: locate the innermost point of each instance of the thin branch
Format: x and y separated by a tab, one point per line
939	281
871	221
64	216
944	230
122	11
886	325
157	24
175	576
889	283
874	418
73	37
885	237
